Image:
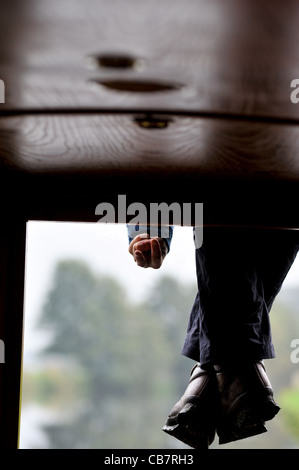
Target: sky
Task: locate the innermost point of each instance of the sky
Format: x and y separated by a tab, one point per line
105	248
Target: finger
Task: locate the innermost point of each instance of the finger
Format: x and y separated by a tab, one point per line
156	254
140	259
137	239
142	246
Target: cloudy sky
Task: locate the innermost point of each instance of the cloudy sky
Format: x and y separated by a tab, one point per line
105	248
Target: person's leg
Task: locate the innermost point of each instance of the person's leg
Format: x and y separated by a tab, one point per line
239	274
193	418
245	390
230	315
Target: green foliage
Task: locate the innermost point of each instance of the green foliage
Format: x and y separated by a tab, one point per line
53	386
289	400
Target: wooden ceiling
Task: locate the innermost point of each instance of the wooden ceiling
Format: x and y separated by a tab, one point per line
160	100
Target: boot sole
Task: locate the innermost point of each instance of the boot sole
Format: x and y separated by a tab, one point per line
188	436
246	418
235	434
192	426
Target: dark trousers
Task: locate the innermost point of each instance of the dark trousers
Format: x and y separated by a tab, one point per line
239	274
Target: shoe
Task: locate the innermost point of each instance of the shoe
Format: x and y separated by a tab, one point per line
247	402
193	418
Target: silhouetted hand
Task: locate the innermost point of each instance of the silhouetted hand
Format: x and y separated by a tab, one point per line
148	252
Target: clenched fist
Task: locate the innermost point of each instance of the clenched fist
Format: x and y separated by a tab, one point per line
148	252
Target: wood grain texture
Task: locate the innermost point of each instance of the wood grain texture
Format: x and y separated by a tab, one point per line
99	143
235	58
63	166
231	56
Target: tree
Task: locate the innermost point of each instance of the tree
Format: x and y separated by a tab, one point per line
125	353
122	364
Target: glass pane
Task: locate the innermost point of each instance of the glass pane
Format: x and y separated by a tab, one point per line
102	360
